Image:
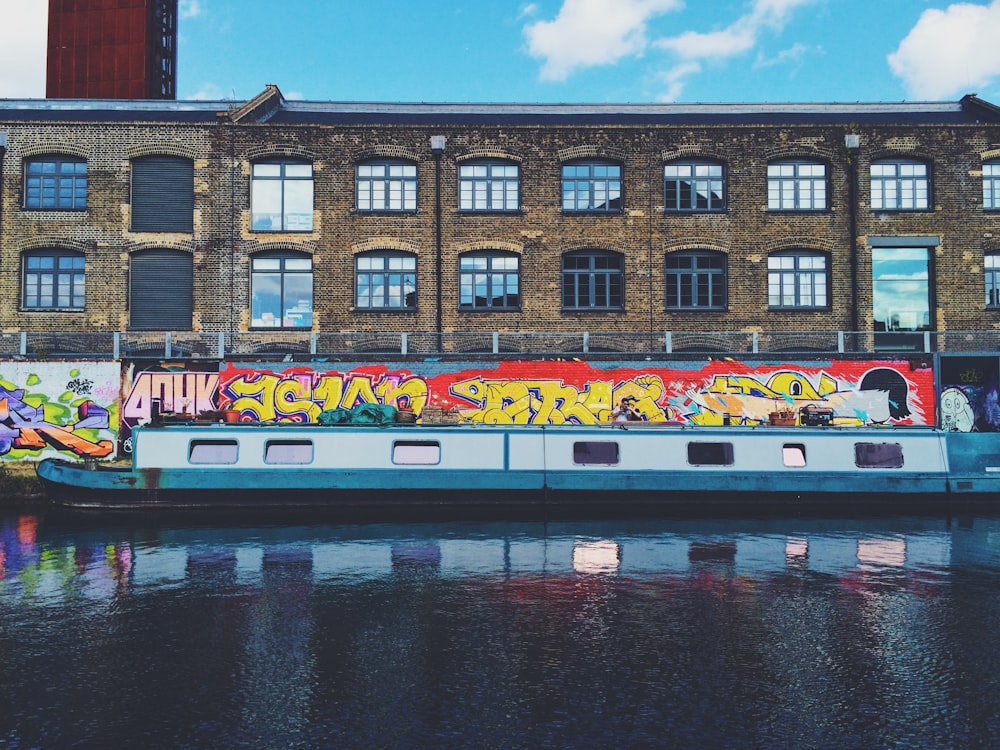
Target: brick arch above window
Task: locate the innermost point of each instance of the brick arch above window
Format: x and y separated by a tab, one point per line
705	154
799	153
686	245
489	153
256	248
44	243
271	151
55	148
500	245
385	152
609	153
385	243
138	247
161	149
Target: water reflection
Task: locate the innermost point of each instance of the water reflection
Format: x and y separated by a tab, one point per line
797	633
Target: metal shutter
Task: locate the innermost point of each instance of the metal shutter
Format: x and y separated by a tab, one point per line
162	194
161	296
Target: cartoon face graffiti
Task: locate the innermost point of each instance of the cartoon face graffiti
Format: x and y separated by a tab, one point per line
956	411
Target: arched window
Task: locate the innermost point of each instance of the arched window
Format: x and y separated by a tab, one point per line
593	280
991	264
694	185
797	279
796	185
55	183
386	185
489	185
696	280
385	280
281	196
900	185
281	290
592	186
53	279
991	185
489	280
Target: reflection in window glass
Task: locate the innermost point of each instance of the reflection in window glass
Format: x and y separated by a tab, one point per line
796	186
793	454
900	288
281	292
878	455
900	185
991	185
489	186
797	280
693	186
592	187
386	281
489	281
596	452
992	268
54	280
387	186
281	197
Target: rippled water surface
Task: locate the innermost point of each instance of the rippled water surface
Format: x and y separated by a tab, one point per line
648	633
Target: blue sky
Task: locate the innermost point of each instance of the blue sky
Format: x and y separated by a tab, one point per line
562	50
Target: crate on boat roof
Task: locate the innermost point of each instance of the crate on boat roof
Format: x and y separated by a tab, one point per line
439	415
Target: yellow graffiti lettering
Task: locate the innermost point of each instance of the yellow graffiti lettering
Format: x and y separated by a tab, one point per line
329	392
292	396
255	395
412	391
740	385
359	391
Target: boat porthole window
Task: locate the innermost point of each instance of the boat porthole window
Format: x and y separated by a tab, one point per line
288	452
878	455
213	452
793	454
710	454
602	452
419	452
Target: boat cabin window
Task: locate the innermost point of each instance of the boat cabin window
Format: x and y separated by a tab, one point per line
710	454
793	454
878	455
212	452
416	452
596	452
288	452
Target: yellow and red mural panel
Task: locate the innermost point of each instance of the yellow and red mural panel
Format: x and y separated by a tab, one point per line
558	392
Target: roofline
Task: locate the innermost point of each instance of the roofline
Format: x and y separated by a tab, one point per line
270	104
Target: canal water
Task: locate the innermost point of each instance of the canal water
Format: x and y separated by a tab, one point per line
160	632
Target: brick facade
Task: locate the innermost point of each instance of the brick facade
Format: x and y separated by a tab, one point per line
223	141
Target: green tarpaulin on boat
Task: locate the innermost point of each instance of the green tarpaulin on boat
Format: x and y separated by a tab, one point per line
361	414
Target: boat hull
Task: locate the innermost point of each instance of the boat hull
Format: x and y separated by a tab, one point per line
525	466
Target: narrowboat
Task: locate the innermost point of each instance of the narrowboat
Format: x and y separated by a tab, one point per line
634	464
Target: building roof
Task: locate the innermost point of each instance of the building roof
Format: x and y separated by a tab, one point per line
271	106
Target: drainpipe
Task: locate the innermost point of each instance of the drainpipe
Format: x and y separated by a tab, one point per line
852	141
437	149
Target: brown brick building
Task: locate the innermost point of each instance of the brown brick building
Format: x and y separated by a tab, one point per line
283	216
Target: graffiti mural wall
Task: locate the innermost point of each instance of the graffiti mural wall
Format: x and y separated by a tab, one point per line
969	387
59	408
557	392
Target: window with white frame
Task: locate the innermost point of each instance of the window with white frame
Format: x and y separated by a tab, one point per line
696	280
797	279
900	185
592	186
54	280
991	185
385	281
694	185
593	280
796	185
489	186
281	290
489	280
281	196
386	185
55	183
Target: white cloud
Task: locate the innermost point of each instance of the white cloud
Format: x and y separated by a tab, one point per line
22	51
949	52
739	37
592	32
188	9
674	80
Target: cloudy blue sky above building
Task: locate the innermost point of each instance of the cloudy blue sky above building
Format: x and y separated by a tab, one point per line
562	50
